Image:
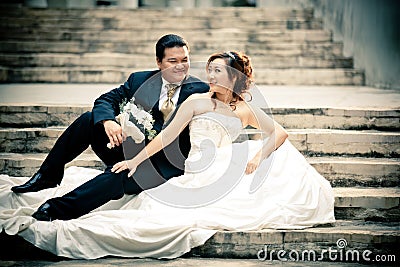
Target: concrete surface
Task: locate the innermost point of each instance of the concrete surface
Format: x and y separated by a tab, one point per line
273	96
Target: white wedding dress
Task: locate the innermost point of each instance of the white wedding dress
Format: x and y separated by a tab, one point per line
286	192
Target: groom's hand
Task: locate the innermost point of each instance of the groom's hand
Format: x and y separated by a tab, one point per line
114	132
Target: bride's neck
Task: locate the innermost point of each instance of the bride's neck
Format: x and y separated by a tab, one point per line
224	98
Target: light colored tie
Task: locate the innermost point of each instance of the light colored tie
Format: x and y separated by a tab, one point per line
168	106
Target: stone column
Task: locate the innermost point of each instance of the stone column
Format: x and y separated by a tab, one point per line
128	3
35	3
209	3
155	3
182	3
71	3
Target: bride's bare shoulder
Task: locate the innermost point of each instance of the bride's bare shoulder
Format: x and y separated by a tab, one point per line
199	96
199	102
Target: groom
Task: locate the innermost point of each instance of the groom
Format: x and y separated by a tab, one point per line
98	128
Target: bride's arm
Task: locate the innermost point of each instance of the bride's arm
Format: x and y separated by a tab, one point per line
277	135
181	119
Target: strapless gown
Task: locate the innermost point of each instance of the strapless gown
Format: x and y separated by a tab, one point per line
285	192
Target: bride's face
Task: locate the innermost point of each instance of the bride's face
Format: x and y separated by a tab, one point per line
218	77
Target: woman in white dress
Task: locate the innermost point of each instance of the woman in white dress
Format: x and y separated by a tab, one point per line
227	185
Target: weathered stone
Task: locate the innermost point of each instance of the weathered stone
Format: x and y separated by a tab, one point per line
353	142
42	116
300	39
310	77
23	109
347	235
373	198
16	146
299	140
23	119
368	214
372	172
27	164
269	59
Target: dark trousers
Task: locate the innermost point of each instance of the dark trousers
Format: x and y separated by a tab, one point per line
104	187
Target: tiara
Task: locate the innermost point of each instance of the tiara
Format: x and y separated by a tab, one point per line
231	55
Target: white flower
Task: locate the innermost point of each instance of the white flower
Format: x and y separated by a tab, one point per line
148	124
141	116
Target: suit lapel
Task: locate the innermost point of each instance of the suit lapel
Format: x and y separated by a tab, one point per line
155	87
148	93
186	90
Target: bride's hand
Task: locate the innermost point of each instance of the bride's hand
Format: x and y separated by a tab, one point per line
253	164
124	165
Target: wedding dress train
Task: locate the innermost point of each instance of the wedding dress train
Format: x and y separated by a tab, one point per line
286	192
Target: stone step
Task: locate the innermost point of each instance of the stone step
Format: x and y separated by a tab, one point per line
224	35
308	141
346	142
340	171
29	115
340	243
74	47
337	118
118	75
200	50
147	62
371	204
25	165
149	23
344	243
142	13
39	115
326	50
303	76
357	171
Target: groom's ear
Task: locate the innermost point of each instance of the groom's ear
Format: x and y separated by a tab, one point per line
158	62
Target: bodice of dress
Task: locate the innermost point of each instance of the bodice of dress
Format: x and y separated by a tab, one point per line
212	129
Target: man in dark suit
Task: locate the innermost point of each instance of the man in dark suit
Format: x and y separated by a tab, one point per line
98	128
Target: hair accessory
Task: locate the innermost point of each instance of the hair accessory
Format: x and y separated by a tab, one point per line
231	55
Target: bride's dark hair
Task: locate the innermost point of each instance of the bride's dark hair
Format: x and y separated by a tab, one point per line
239	67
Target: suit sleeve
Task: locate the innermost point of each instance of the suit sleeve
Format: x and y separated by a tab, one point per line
203	87
106	107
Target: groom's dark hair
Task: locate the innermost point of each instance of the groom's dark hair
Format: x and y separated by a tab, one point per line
169	41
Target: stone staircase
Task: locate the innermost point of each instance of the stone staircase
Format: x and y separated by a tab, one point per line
362	165
356	149
101	45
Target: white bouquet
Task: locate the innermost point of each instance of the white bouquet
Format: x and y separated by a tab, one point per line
135	122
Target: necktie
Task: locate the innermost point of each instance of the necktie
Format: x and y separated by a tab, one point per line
168	106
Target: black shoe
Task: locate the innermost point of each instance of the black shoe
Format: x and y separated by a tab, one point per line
43	213
36	183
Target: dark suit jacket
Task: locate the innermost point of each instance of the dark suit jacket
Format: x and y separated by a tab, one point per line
145	86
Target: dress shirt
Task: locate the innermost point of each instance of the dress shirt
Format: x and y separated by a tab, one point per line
163	94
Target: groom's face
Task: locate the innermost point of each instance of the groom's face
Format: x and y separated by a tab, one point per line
175	64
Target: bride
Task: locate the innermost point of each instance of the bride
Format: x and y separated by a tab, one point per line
227	185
